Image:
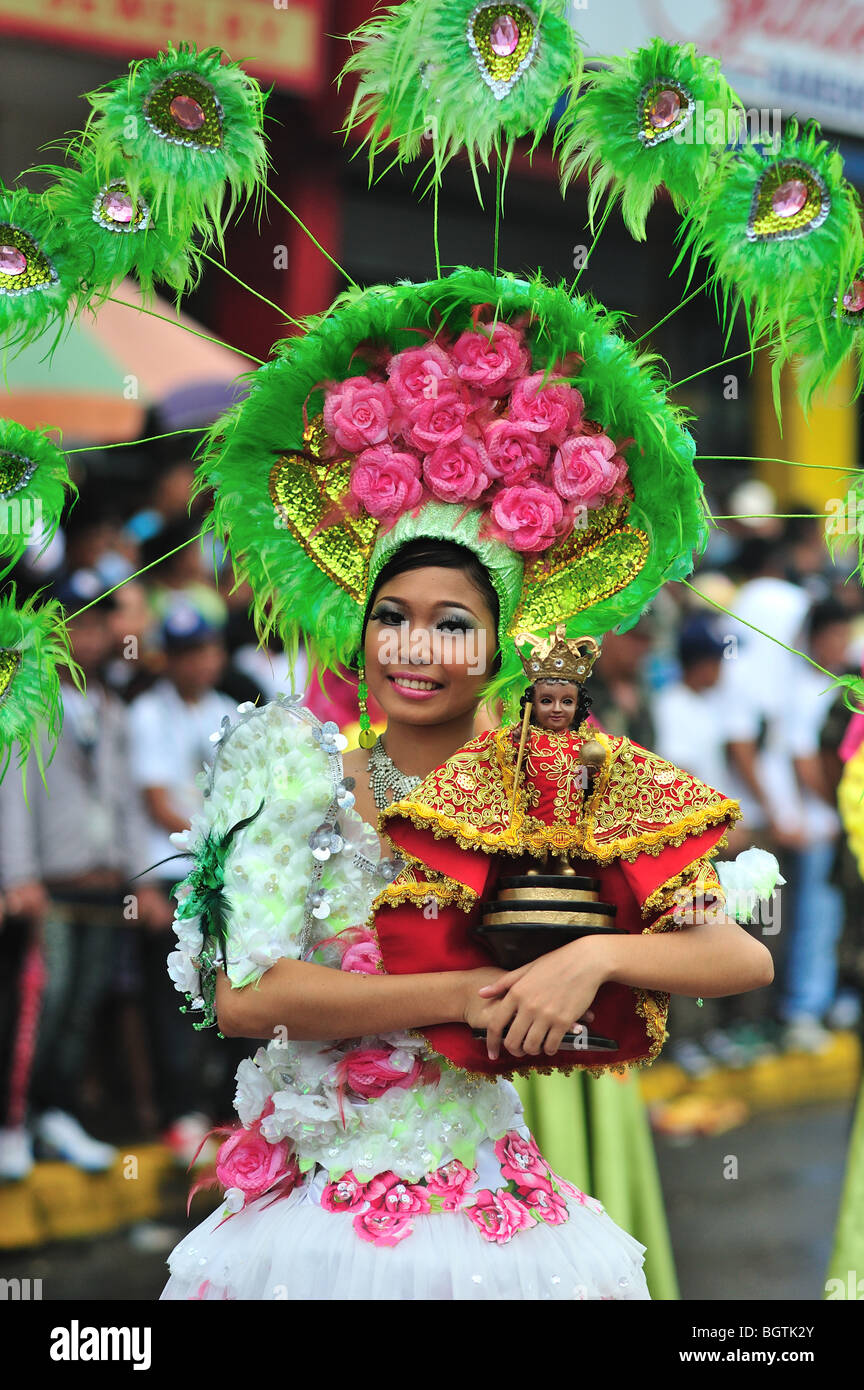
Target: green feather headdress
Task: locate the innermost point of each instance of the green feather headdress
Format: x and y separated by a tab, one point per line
33	644
188	126
781	229
641	124
34	486
430	67
311	570
41	268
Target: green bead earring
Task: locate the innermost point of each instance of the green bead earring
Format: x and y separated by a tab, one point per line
366	738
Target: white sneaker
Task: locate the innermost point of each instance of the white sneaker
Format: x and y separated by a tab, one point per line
64	1138
16	1154
187	1138
806	1034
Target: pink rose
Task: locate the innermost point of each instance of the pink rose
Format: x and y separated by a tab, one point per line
362	956
457	472
522	1163
436	422
370	1071
380	1228
491	360
387	483
551	411
499	1215
246	1160
515	454
419	374
587	469
346	1194
358	412
528	516
389	1193
548	1207
452	1183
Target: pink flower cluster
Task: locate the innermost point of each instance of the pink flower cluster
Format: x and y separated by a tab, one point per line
383	1208
470	421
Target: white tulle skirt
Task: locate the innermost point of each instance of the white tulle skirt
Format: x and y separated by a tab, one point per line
295	1248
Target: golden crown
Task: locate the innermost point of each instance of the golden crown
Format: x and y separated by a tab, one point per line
554	658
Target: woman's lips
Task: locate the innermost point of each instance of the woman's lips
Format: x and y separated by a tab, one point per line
418	689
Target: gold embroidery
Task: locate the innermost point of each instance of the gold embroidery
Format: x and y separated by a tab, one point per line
696	880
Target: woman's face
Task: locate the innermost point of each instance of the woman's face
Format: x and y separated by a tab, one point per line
430	644
555	704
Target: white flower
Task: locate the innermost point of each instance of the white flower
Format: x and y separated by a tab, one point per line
253	1091
189	935
182	971
235	1199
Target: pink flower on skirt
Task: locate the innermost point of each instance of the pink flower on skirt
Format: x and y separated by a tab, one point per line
522	1163
370	1071
380	1228
499	1215
345	1194
452	1183
548	1206
358	412
248	1161
491	360
389	1192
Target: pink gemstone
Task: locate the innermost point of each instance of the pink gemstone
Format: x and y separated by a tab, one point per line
504	36
12	261
789	198
664	109
117	207
187	112
853	299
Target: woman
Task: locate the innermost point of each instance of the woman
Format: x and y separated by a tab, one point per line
402	1232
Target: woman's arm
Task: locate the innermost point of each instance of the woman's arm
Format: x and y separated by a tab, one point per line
313	1002
531	1009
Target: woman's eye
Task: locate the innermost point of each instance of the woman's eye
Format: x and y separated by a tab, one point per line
454	624
390	616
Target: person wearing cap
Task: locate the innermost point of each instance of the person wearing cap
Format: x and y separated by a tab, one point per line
66	860
172	724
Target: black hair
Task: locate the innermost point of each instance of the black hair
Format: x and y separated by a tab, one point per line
583	704
424	553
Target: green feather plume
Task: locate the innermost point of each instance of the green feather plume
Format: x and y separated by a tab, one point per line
822	344
33	644
183	174
34	486
625	390
40	294
776	281
79	199
605	130
419	74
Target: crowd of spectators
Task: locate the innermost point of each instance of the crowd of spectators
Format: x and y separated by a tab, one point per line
91	1036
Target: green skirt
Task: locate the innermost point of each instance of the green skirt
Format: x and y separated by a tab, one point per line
595	1132
847	1261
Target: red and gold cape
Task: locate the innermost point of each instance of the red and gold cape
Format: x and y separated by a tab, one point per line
644	827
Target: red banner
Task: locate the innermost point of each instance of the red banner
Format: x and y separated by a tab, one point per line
279	41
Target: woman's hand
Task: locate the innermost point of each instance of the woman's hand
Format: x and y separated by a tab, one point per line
531	1008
